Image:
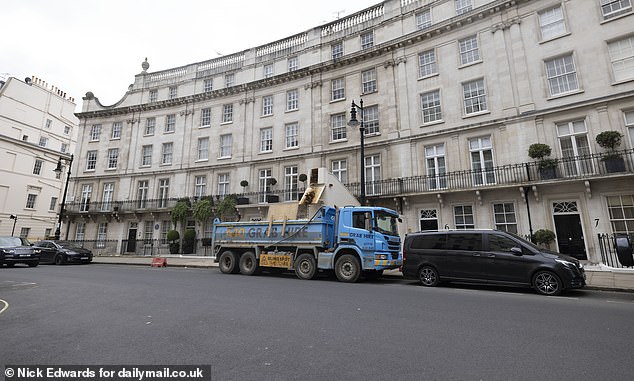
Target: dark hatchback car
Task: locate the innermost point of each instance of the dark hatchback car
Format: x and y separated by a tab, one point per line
62	252
18	250
488	256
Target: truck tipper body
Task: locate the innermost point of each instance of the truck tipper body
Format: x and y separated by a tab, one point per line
350	241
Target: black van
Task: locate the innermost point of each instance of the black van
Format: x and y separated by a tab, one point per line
488	256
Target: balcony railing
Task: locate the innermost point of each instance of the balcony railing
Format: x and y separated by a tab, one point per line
566	169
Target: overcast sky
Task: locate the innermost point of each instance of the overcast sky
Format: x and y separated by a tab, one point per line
98	46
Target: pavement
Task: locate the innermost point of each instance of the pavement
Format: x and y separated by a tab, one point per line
597	276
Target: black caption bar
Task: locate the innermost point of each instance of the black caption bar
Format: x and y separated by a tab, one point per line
108	372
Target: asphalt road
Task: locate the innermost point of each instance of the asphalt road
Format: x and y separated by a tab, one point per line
277	327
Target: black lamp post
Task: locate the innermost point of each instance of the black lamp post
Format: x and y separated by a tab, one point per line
58	170
15	219
353	123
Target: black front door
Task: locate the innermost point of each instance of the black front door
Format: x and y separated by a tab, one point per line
131	241
570	235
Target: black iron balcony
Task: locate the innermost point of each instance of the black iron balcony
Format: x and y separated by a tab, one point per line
566	169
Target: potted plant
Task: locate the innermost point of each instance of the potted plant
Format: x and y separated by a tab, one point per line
172	238
611	140
243	200
544	237
189	241
272	197
547	167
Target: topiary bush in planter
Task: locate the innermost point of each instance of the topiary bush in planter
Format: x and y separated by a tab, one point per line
172	237
547	167
611	140
544	237
189	241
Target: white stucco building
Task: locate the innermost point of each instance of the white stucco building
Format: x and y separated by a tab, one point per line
454	93
37	128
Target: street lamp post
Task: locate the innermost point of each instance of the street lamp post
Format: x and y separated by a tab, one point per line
58	170
15	219
353	123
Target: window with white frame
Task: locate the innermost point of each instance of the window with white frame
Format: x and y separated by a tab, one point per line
146	156
336	50
172	92
86	194
64	148
504	217
264	185
43	141
292	135
113	158
91	160
153	95
200	186
37	168
481	150
170	123
150	126
30	201
463	6
291	186
203	148
148	229
227	113
266	139
463	217
338	90
431	107
427	63
622	58
339	168
225	146
102	235
614	8
116	130
208	85
621	210
24	232
368	81
48	124
551	22
223	184
423	19
67	130
164	190
53	203
371	120
267	105
561	75
474	96
106	197
268	70
293	63
338	127
292	100
205	117
367	40
436	167
372	174
469	51
167	152
629	124
142	194
80	231
95	132
575	147
230	80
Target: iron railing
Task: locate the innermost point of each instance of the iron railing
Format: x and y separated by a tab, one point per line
607	247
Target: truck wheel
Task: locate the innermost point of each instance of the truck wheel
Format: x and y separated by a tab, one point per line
348	268
248	263
228	263
305	266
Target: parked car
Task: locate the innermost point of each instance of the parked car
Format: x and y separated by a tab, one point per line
488	256
18	250
62	252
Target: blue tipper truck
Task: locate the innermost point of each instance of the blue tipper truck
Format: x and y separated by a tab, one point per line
352	241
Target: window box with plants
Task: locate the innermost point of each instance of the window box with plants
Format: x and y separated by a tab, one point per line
547	167
611	140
